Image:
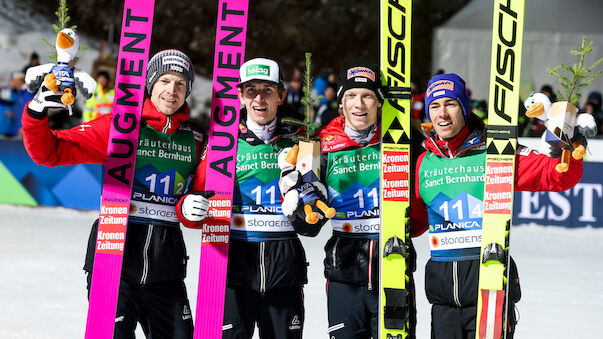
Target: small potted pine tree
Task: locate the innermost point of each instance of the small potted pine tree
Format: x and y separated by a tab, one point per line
308	153
562	118
306	156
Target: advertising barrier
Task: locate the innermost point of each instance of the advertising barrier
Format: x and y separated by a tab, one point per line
577	207
22	182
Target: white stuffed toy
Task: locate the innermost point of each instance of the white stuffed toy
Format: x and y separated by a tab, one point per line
565	129
62	76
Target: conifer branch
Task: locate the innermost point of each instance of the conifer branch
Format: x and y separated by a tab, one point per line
61	13
580	75
308	100
45	42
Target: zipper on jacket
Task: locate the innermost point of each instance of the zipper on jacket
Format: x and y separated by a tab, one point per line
455	283
448	150
370	266
145	255
262	267
168	124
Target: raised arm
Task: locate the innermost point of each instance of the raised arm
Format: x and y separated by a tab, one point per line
536	172
86	143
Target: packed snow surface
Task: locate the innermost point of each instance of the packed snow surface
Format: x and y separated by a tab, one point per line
43	293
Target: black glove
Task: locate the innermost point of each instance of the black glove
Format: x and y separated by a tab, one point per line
555	150
309	194
44	101
580	138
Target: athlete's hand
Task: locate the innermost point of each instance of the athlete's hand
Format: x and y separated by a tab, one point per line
195	205
44	102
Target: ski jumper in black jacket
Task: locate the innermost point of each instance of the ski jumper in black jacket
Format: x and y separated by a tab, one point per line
267	265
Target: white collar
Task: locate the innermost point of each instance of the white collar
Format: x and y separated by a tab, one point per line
263	132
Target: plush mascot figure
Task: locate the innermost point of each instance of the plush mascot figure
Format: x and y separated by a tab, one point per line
62	76
565	129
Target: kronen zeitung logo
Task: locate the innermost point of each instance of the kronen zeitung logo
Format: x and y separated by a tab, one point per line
258	70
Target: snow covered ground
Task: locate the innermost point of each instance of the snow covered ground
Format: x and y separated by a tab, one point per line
43	294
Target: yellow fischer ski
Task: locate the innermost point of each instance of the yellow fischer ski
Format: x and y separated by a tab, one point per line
394	298
507	39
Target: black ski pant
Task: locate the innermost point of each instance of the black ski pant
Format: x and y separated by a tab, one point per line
449	322
353	311
161	308
278	313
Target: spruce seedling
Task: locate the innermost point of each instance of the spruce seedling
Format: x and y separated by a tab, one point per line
308	100
578	76
63	18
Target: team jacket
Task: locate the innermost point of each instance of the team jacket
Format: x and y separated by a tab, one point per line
351	173
265	251
448	201
169	149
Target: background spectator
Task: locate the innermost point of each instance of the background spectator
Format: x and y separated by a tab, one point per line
417	101
593	106
595	99
295	92
549	92
101	101
34	60
329	110
6	113
321	82
12	101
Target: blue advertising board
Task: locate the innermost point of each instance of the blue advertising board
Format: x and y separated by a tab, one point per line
578	207
77	186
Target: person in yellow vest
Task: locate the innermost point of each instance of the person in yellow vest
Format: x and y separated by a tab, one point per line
101	101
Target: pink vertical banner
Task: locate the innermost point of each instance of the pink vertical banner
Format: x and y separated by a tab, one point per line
134	46
231	30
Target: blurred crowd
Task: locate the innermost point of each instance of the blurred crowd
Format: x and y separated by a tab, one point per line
324	89
14	96
326	109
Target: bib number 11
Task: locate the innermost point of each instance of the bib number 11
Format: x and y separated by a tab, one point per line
476	212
